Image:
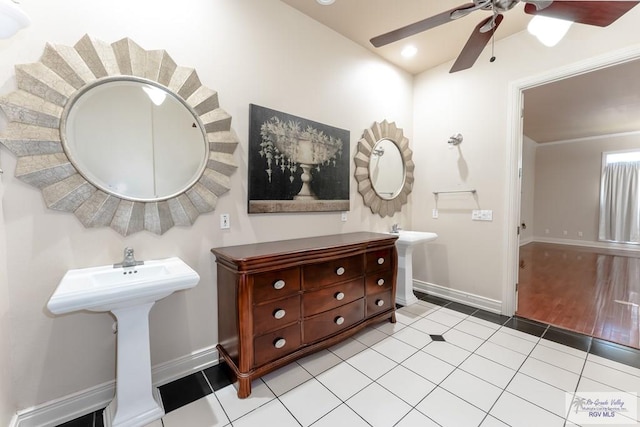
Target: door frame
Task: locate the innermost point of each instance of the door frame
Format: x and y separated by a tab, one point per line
514	141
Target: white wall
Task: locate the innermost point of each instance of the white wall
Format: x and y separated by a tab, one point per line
469	256
567	192
260	52
7	407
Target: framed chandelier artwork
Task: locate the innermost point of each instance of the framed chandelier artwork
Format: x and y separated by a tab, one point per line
295	164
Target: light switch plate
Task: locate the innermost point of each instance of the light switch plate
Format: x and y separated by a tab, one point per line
224	222
434	214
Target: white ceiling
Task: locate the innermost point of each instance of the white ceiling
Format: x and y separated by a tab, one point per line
601	102
597	103
361	20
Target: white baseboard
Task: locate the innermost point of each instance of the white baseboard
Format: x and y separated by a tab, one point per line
75	405
589	244
524	241
472	300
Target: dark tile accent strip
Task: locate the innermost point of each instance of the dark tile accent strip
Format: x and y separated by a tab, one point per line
498	319
462	308
184	391
568	338
84	421
528	326
219	376
437	337
616	352
432	299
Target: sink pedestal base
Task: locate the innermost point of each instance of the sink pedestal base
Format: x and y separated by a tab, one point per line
404	289
136	403
140	419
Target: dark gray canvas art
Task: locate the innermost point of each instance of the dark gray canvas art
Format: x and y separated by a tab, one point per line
296	164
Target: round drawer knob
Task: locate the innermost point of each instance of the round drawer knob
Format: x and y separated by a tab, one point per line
339	296
278	284
279	343
340	271
380	302
380	260
380	282
339	320
279	314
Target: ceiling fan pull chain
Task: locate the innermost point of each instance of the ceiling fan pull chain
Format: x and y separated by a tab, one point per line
493	36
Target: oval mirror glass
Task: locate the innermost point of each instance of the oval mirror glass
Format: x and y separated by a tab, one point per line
386	169
134	139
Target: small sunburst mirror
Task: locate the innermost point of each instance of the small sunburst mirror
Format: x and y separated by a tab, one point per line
120	136
384	168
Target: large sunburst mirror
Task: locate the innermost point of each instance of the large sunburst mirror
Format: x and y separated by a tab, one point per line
120	136
384	168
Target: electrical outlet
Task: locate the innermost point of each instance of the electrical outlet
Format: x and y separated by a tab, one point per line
475	215
579	233
224	222
565	232
434	214
343	217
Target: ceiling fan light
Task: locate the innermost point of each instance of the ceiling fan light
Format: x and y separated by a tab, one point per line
12	19
549	31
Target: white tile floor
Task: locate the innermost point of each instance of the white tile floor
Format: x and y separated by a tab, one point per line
395	375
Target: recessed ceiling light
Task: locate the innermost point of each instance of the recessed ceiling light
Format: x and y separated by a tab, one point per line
409	51
325	2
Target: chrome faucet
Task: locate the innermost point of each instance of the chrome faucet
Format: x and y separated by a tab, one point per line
129	260
395	228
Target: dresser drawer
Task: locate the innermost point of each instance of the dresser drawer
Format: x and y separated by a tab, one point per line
328	323
378	303
275	284
327	273
324	299
275	314
276	344
379	260
379	281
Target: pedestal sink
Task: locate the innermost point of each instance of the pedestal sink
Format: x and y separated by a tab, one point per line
407	240
128	293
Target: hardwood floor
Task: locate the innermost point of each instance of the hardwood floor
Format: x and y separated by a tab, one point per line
587	290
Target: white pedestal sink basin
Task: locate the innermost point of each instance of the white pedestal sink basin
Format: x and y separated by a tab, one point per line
407	240
128	293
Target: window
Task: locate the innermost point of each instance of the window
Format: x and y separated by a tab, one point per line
620	197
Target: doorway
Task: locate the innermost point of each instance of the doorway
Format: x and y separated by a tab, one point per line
579	309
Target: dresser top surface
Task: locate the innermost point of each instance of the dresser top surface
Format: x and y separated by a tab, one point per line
293	246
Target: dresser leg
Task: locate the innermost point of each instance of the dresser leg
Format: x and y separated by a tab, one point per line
393	317
244	387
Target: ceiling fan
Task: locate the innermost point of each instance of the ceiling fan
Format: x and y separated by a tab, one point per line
599	13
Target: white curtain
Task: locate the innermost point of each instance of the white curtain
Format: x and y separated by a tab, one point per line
620	203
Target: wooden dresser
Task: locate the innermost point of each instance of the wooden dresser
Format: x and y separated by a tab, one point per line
279	301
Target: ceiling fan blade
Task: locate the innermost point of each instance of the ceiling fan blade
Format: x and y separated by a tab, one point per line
599	13
416	27
475	45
